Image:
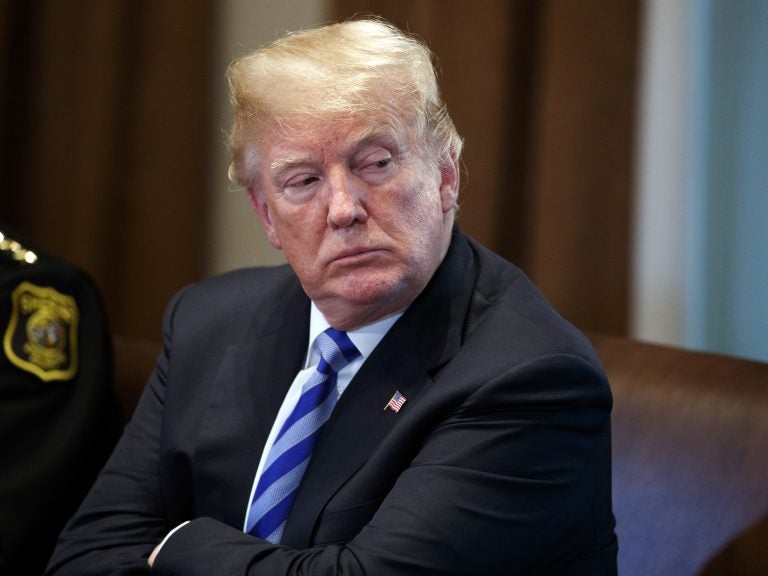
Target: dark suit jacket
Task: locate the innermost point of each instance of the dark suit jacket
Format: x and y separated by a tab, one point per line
498	463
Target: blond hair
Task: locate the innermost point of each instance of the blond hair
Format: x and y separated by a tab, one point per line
356	68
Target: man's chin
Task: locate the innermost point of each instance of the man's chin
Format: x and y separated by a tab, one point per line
366	297
369	293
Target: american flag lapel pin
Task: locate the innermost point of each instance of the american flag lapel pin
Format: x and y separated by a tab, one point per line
396	402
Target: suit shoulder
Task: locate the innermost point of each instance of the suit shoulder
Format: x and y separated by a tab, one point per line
225	300
244	283
512	311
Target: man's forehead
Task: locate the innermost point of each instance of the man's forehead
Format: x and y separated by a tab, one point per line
335	133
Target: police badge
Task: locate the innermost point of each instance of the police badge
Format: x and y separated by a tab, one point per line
41	337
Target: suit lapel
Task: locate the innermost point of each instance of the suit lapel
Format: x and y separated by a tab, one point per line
356	428
273	356
426	337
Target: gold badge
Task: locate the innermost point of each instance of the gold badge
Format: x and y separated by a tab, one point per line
41	337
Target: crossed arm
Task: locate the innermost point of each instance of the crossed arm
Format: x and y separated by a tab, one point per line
514	479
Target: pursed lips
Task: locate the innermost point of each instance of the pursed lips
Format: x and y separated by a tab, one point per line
356	254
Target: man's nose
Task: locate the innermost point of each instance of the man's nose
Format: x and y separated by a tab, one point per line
344	199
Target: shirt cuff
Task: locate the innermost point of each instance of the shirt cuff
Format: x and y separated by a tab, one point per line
167	536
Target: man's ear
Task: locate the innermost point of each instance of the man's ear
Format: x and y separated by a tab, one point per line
450	177
262	209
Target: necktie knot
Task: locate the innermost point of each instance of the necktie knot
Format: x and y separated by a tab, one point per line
336	350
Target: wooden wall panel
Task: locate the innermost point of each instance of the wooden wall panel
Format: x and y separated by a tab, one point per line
106	142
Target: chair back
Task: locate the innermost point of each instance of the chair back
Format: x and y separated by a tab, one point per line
690	460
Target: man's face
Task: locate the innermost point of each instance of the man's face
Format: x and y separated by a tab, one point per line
362	214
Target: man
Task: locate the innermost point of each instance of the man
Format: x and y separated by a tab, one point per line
397	400
58	412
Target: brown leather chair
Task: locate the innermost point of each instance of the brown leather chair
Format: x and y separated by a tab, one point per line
690	455
690	460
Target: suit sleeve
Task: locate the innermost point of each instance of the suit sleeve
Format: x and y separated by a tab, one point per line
515	479
122	518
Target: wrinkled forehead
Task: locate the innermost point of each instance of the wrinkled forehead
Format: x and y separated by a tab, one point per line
339	130
326	105
305	135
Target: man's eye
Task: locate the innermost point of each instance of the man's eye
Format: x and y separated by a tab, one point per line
379	164
301	182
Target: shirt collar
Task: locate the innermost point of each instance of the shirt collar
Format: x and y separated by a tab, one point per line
365	338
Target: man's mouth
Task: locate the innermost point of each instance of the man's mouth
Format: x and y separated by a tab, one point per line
357	255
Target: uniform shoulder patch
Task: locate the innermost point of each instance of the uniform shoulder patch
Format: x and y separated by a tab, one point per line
41	337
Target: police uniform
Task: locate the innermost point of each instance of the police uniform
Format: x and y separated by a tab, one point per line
58	413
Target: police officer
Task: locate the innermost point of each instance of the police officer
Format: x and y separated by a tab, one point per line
58	413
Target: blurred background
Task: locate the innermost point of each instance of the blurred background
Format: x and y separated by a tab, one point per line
616	150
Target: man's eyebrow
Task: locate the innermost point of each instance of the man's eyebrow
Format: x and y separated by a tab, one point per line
384	134
376	134
282	164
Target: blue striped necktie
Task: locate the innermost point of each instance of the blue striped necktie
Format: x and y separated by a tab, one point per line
292	449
